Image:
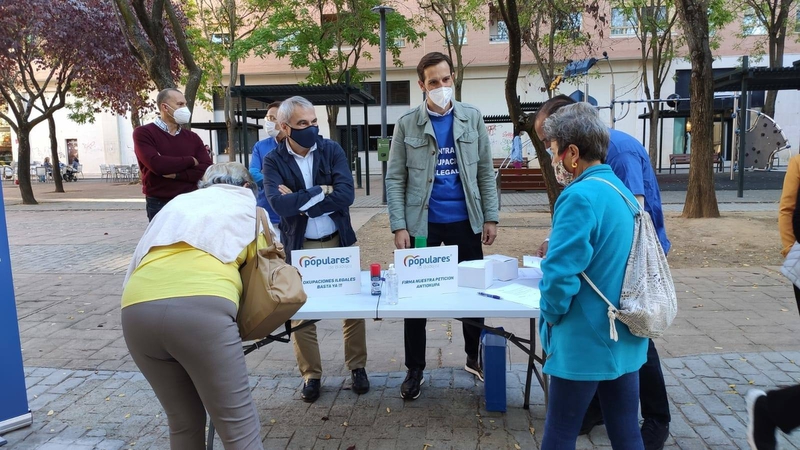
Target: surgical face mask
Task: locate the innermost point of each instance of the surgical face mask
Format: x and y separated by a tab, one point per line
181	115
441	96
305	137
272	129
563	176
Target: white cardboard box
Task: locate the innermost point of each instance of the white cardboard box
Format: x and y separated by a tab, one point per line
477	274
505	267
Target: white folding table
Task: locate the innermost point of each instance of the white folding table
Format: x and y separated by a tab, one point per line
463	303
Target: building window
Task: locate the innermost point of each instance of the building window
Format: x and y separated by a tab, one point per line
622	24
459	29
797	22
399	43
498	31
398	93
570	22
751	25
220	38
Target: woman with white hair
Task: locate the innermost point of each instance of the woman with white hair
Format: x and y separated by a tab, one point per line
592	234
179	305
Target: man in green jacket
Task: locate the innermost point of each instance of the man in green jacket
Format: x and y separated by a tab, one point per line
440	185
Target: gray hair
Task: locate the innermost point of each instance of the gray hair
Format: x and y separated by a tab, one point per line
287	108
232	173
580	125
164	94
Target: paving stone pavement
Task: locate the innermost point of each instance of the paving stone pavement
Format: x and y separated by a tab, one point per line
737	329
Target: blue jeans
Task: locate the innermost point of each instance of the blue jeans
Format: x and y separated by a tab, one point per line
619	399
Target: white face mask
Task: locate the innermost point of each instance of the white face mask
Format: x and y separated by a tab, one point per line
181	115
272	129
441	96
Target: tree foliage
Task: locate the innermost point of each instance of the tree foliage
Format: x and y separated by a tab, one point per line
774	16
154	33
51	47
531	23
451	19
223	31
330	38
654	22
555	33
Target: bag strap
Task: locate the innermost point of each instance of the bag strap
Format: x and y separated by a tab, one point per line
635	208
612	310
261	219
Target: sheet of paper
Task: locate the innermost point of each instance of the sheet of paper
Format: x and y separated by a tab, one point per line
530	272
531	261
517	293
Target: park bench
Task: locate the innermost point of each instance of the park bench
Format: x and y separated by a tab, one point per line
522	180
677	159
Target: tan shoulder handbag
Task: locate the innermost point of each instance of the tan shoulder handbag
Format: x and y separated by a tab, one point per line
272	291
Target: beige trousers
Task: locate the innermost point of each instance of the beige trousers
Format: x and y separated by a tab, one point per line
306	346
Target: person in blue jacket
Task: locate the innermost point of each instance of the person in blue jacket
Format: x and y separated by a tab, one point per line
630	162
592	234
260	150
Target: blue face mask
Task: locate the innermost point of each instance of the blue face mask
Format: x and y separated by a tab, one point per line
305	137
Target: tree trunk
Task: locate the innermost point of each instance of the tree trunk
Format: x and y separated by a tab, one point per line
776	49
51	123
24	165
230	116
655	113
701	199
333	120
509	11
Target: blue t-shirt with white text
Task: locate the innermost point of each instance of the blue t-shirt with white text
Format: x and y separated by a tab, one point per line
447	203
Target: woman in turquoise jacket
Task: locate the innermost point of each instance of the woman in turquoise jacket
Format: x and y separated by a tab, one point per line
592	233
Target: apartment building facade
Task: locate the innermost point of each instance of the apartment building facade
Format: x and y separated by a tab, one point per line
485	53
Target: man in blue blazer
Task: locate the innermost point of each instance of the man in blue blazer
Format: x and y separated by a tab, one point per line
308	182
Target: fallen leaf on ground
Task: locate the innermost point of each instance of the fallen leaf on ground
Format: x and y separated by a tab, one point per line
127	415
533	430
388	410
516	446
50	413
272	421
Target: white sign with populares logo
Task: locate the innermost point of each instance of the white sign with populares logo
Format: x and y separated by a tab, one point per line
329	271
430	270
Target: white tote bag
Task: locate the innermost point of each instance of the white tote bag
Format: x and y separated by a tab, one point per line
648	303
791	266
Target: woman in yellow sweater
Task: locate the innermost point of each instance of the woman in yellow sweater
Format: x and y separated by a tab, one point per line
788	217
179	306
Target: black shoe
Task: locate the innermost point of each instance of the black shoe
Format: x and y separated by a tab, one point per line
474	367
654	434
310	392
590	420
360	381
760	429
409	390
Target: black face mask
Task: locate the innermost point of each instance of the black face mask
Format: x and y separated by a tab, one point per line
305	137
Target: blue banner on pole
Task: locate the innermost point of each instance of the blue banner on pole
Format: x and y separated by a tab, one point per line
14	412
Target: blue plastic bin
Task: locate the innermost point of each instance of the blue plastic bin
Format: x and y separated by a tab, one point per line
493	354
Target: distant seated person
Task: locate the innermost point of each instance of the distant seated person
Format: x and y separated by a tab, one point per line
75	163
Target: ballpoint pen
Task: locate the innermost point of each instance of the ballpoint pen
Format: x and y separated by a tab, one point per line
497	297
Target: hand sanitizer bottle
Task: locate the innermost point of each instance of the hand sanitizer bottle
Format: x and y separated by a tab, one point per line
391	285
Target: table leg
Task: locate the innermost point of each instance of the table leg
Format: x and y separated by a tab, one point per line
529	375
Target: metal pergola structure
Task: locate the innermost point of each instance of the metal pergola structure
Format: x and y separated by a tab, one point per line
746	79
338	95
528	107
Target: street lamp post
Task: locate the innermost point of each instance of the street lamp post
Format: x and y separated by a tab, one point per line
383	10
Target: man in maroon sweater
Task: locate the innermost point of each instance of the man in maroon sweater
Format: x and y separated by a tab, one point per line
172	159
